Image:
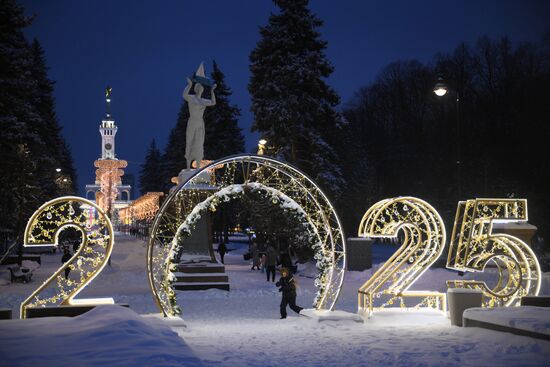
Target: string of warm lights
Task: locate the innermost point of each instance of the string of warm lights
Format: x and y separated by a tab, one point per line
109	175
474	246
143	208
276	181
423	243
43	229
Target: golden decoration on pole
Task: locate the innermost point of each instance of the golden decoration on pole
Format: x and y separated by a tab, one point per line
276	181
143	208
474	247
43	229
423	243
109	175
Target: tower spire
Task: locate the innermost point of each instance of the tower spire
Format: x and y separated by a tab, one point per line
108	129
108	92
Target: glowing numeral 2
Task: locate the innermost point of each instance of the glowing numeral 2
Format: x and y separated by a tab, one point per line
474	246
43	229
423	244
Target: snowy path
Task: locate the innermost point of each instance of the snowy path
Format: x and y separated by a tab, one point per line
242	327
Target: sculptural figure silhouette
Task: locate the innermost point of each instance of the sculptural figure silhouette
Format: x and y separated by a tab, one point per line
194	143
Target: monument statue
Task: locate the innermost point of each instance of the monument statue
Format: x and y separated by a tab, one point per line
194	144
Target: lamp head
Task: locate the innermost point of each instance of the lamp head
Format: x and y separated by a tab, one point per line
440	88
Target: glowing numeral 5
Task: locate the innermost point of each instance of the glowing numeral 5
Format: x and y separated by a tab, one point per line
43	229
424	241
473	246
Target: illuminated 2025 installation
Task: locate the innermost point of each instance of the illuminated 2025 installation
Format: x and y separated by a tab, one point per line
423	243
274	180
43	229
474	247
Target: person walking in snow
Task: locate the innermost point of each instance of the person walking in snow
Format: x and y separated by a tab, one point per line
288	288
263	260
255	256
66	257
271	262
222	249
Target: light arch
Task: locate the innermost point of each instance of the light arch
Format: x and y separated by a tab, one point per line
252	171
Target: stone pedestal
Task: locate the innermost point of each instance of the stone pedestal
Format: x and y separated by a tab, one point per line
461	299
359	253
198	247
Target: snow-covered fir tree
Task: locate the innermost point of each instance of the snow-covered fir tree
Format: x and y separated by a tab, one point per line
150	178
56	148
173	158
294	108
29	132
223	135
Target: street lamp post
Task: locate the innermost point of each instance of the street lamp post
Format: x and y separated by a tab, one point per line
440	90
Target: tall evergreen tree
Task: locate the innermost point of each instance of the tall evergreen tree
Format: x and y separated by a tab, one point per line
173	158
56	148
20	193
32	146
294	108
150	179
223	135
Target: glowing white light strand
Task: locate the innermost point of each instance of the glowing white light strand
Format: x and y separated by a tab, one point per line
245	170
43	229
473	246
423	243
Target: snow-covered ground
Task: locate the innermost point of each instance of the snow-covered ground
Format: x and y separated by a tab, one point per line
242	327
529	318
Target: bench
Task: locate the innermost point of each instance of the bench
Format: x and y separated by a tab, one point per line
19	273
14	259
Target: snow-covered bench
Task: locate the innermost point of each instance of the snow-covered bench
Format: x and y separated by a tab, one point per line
19	273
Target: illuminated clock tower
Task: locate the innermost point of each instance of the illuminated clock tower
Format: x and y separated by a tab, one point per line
110	193
108	130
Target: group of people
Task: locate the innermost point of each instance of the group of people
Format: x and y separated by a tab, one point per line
268	261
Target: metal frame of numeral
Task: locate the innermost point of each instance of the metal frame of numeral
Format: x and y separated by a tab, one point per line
474	246
43	229
423	243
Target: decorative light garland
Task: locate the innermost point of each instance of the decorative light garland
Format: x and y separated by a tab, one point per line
143	208
474	246
43	229
108	175
274	179
424	241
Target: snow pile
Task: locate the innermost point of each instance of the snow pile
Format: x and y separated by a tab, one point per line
326	315
242	327
106	335
530	318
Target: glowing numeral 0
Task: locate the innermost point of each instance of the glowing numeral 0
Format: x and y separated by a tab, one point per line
43	229
424	240
474	246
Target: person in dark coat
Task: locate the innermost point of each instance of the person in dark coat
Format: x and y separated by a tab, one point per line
288	288
66	257
270	262
255	256
286	261
222	249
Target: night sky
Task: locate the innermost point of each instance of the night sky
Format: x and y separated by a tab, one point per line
145	49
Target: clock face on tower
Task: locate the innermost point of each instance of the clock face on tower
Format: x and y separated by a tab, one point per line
108	146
